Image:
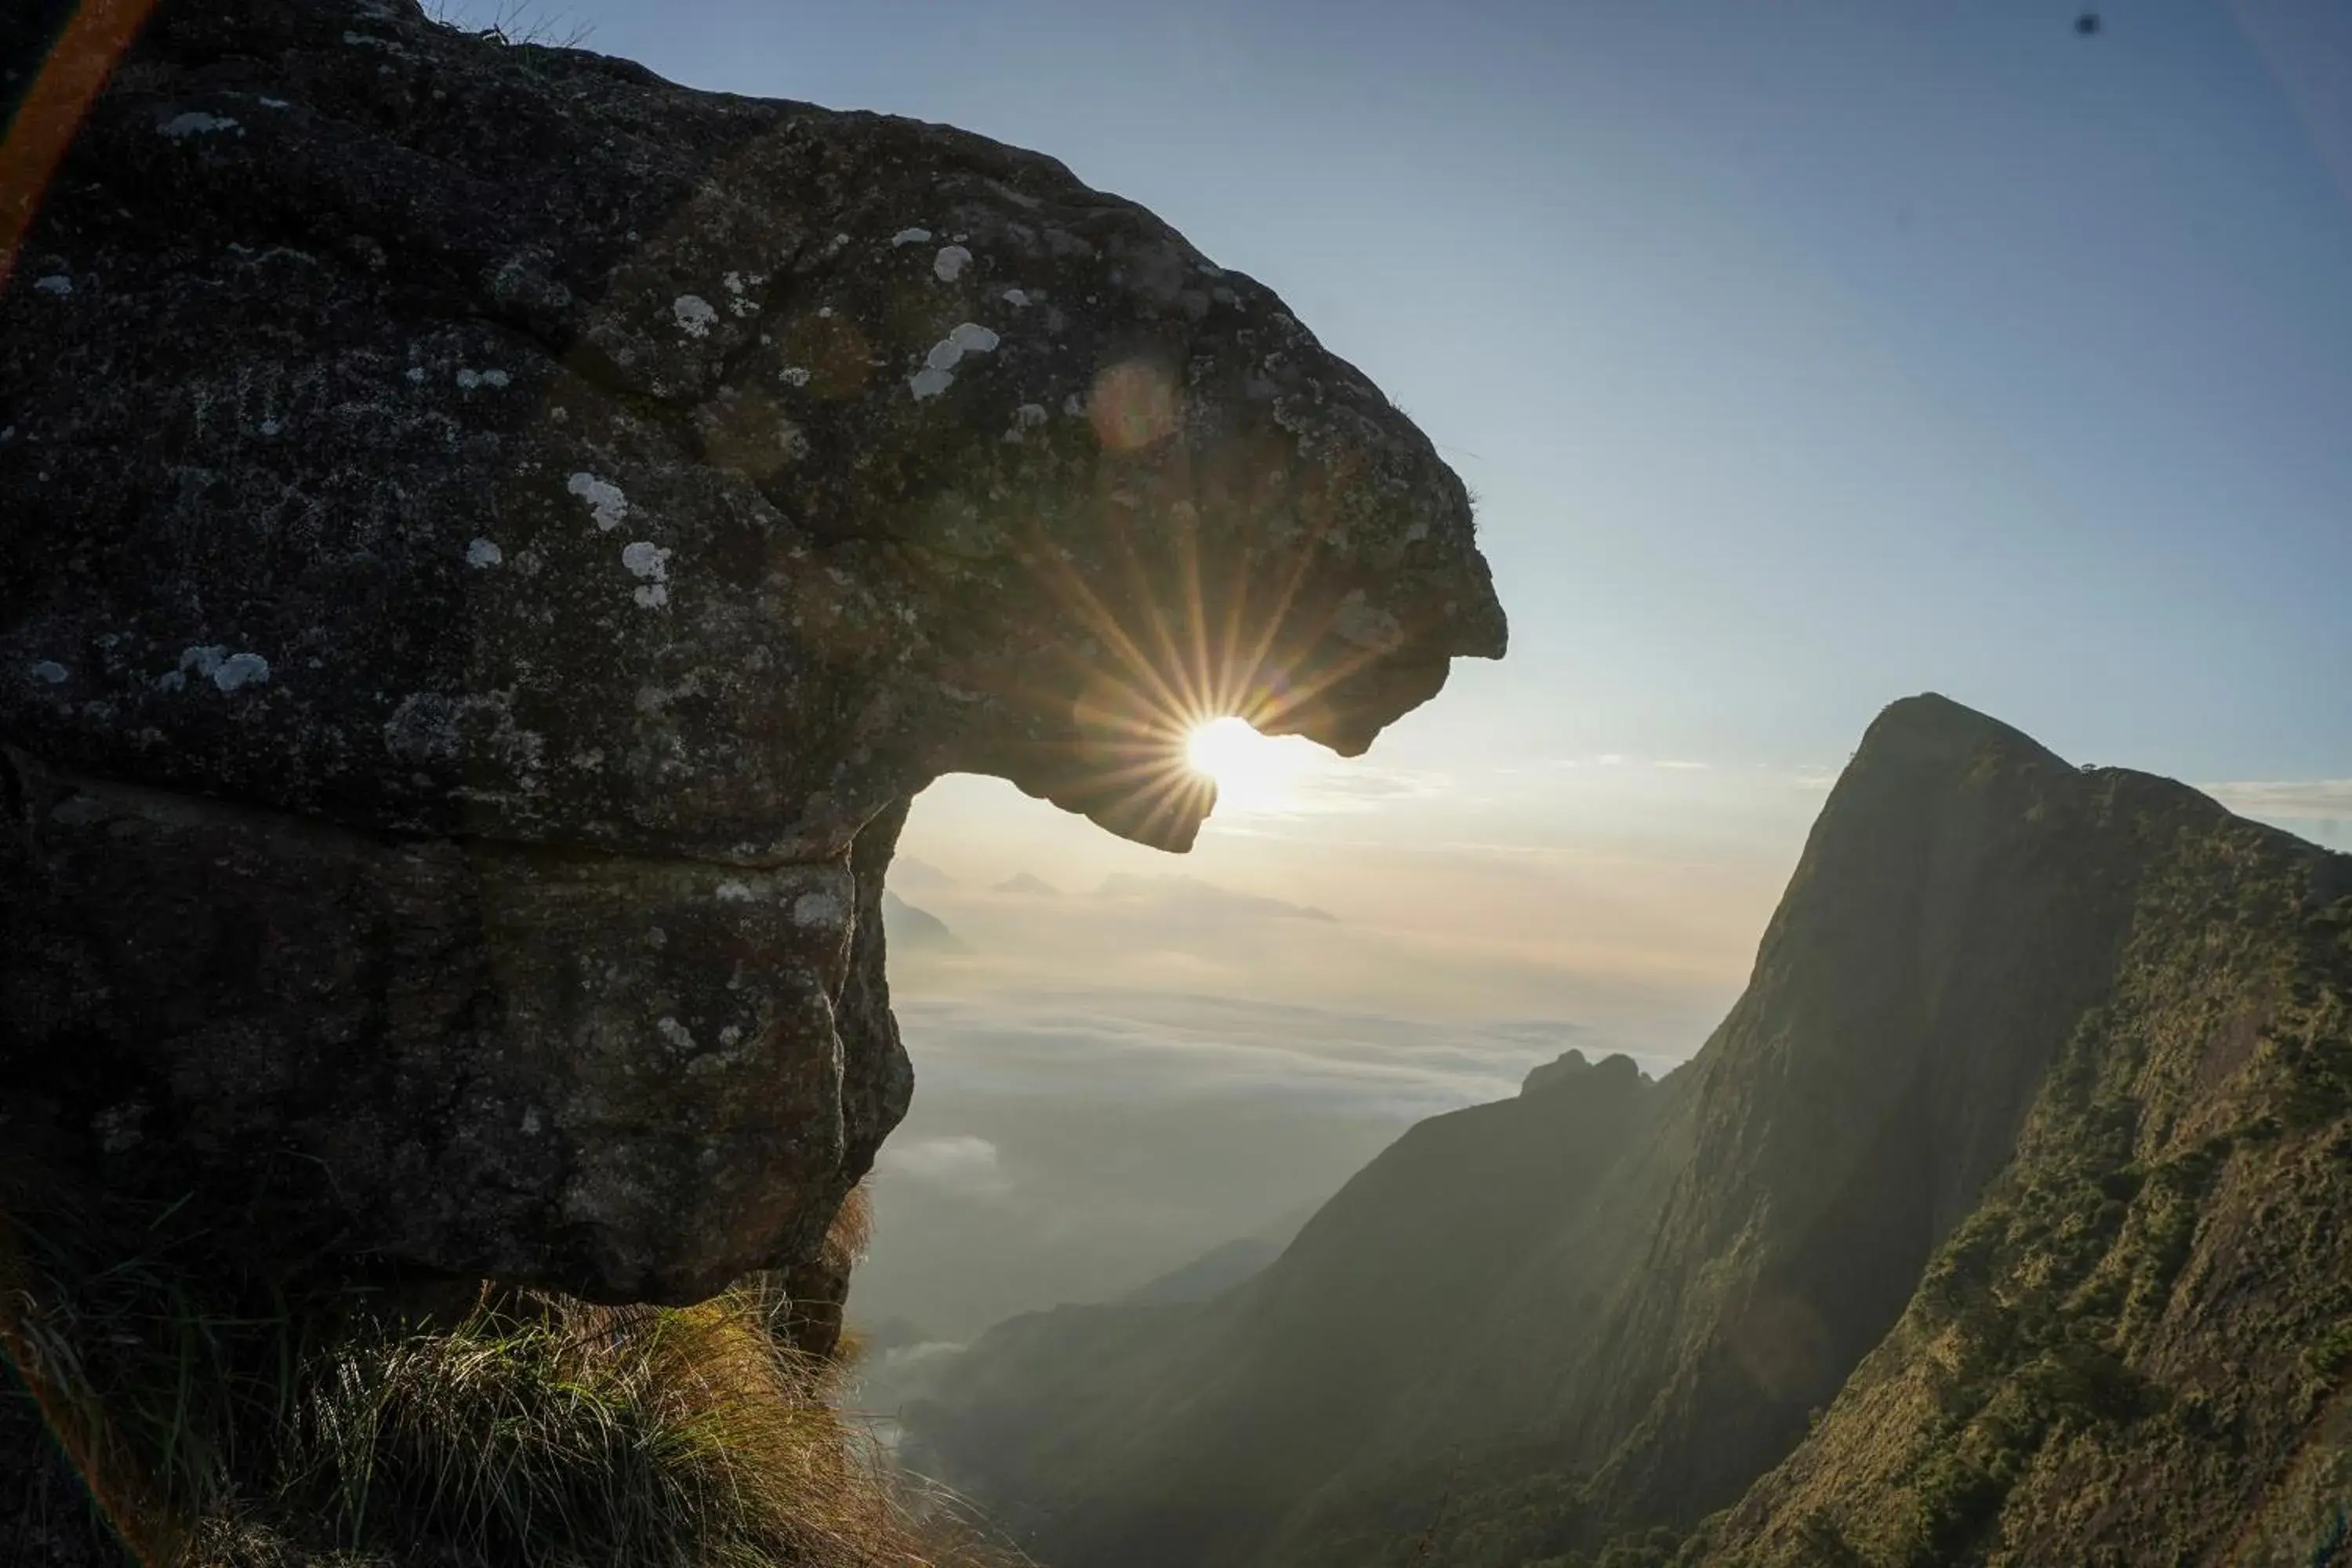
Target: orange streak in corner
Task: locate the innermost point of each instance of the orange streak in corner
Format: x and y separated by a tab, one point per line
52	111
117	1487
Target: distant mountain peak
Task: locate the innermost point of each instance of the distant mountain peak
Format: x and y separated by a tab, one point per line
1572	1067
911	930
1191	895
1931	727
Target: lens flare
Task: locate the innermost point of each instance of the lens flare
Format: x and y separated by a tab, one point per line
1253	772
53	108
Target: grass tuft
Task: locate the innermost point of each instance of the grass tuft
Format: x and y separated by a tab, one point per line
264	1427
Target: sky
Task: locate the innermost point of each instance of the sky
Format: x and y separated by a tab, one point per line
1801	356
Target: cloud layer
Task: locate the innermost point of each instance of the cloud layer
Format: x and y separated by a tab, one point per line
2289	800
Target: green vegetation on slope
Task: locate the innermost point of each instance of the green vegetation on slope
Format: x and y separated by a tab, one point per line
2135	1350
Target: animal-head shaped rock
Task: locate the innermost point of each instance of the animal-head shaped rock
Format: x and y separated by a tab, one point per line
500	541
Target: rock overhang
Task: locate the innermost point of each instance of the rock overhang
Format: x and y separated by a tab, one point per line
508	456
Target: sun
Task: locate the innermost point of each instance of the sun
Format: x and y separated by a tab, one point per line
1253	771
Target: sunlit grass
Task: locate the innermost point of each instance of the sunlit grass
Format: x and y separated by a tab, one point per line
528	1429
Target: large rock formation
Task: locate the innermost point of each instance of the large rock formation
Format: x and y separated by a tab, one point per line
490	542
2001	1221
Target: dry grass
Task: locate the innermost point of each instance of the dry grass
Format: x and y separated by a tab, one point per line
672	1438
537	1431
850	1232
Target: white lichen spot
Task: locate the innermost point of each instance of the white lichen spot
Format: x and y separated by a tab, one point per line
169	680
530	1121
1016	298
739	299
484	553
56	283
1075	405
948	264
676	1032
606	503
911	237
467	379
939	365
970	337
650	561
273	103
817	910
241	669
694	314
731	1034
195	122
49	672
732	892
415	373
645	558
793	375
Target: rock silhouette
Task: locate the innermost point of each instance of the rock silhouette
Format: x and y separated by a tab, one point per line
493	541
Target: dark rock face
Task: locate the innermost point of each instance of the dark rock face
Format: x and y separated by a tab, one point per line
489	543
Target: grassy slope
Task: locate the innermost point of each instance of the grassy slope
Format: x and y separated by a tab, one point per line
2135	1350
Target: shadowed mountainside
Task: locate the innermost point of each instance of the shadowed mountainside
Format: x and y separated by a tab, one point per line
2000	1221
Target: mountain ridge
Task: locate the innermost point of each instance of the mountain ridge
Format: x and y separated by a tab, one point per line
1699	1328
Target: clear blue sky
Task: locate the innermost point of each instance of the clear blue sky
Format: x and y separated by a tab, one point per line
1803	354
